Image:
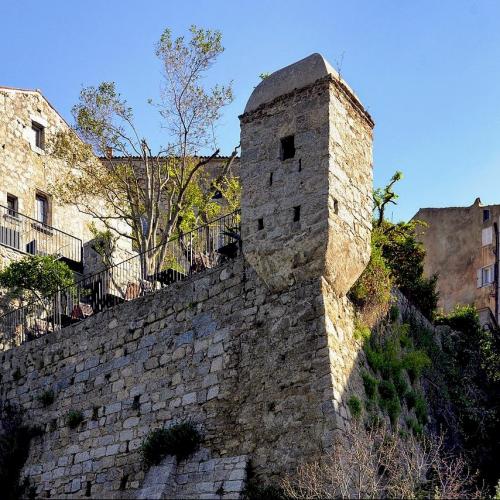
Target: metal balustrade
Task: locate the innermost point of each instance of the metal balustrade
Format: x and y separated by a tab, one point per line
203	248
24	234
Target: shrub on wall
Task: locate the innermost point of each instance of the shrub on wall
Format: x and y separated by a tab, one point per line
180	440
354	405
372	291
46	397
397	259
469	369
74	418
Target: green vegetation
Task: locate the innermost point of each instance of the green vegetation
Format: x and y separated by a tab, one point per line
469	368
414	426
415	362
372	292
46	397
370	384
74	418
180	440
421	409
355	407
361	331
189	110
461	372
397	259
397	364
36	277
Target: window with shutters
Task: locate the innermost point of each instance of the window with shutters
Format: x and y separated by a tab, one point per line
487	236
485	276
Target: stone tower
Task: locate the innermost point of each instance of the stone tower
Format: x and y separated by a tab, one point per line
306	170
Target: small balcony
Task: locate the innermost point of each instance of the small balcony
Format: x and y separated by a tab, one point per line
27	235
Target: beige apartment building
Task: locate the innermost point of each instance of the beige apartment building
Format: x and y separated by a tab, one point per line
461	246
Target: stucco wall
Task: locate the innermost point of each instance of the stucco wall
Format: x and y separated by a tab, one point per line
454	249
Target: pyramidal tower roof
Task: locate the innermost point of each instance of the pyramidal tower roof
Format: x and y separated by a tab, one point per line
295	76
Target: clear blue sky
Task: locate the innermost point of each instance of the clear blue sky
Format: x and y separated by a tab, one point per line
428	71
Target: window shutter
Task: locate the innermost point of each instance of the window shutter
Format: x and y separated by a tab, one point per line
487	236
479	276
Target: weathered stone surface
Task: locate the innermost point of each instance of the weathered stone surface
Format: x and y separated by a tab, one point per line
259	352
308	214
241	398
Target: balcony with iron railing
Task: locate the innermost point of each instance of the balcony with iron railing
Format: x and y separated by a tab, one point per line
205	247
27	235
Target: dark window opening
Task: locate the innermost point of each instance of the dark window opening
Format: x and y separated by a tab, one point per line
300	165
260	224
296	213
216	193
335	206
88	489
12	205
136	403
42	208
39	132
287	147
271	179
123	482
486	215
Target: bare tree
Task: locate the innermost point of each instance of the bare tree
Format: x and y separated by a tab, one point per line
377	463
146	194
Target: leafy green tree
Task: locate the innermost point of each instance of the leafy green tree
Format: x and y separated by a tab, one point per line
36	277
150	195
382	197
470	368
34	280
405	255
397	260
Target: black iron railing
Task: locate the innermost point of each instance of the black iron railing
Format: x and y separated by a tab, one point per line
203	248
24	234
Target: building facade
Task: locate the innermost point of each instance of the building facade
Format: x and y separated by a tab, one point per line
259	352
31	219
462	248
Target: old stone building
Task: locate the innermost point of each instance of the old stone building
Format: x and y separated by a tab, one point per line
32	220
461	246
259	352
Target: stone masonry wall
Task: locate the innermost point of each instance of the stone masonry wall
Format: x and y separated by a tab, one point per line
26	169
255	370
303	210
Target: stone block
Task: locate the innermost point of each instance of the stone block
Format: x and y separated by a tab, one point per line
188	399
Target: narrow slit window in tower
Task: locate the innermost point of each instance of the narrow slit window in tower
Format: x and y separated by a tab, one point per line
296	213
260	224
287	147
